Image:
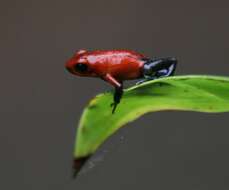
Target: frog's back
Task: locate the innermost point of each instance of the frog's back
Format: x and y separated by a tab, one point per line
115	53
122	64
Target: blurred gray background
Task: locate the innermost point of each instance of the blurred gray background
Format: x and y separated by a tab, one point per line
41	103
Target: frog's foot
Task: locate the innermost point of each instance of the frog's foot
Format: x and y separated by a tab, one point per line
145	80
114	105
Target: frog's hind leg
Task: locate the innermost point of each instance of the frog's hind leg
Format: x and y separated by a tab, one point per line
157	68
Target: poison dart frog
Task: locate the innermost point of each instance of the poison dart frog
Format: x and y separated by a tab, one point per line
116	66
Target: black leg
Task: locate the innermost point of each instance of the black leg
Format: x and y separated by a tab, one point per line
117	97
159	67
166	72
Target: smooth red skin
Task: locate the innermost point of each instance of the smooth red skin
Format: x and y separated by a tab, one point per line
113	66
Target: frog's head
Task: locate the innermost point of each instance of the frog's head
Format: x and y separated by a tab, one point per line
78	64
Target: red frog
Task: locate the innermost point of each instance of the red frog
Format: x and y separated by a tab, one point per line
116	66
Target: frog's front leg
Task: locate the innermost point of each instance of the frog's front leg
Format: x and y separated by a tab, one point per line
117	97
118	90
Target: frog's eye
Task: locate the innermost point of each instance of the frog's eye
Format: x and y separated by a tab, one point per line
81	67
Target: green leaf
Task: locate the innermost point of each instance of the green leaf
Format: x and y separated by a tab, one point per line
192	93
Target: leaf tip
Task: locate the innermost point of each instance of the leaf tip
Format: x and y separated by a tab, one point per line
78	163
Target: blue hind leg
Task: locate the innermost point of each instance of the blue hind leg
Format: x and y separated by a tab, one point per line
158	68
